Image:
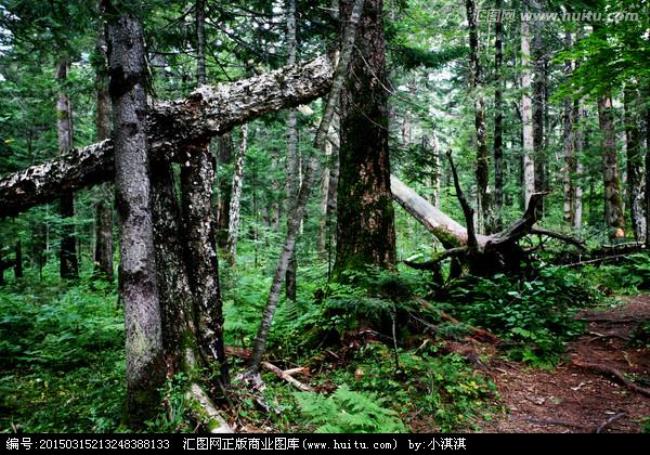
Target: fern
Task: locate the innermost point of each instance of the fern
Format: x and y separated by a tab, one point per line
347	411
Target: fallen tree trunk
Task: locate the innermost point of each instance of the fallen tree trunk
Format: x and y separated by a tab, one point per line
447	230
484	254
207	112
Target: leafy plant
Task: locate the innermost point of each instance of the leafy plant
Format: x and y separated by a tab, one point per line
347	411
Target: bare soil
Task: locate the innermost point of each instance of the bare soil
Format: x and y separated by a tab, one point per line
574	399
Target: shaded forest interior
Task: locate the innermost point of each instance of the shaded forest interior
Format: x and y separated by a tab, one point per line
332	216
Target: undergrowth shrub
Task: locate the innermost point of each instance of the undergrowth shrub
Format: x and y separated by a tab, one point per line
536	316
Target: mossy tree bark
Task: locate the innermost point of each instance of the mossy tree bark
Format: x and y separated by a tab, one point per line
103	207
366	225
614	218
635	181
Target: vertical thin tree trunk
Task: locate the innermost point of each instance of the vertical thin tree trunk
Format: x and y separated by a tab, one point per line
69	266
235	199
321	241
539	94
366	220
224	158
647	166
2	268
482	159
103	208
578	149
436	175
569	146
498	119
528	179
145	370
635	183
614	218
201	74
332	193
18	261
295	216
293	162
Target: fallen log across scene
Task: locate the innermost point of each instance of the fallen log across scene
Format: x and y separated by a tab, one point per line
207	112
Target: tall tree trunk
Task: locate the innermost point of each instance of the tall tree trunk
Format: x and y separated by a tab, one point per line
293	160
528	162
295	216
482	159
224	158
647	165
235	199
18	260
321	241
69	266
614	218
103	207
201	75
635	183
498	119
172	274
145	370
569	168
436	173
579	137
366	220
539	104
197	178
2	268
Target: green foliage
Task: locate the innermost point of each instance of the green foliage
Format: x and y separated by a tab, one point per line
173	417
441	389
347	411
629	276
535	316
61	351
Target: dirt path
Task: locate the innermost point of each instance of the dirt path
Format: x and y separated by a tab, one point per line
575	399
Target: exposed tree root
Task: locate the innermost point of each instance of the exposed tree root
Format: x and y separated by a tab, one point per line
611	371
603	426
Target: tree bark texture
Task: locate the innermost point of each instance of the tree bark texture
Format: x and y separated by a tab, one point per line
197	176
528	162
104	207
635	173
498	119
68	263
366	226
235	197
207	112
293	159
614	218
145	371
482	157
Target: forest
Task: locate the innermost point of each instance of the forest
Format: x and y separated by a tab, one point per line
324	216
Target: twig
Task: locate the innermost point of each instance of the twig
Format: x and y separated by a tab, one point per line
287	377
559	422
603	426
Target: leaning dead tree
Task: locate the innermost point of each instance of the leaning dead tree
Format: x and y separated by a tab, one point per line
480	253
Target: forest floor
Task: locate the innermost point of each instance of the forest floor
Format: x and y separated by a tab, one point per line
573	398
